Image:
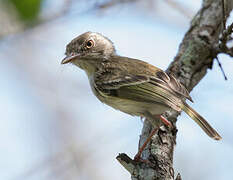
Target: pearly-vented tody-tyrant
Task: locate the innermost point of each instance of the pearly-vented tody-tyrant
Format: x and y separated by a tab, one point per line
130	85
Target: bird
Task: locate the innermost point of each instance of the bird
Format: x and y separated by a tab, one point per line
130	85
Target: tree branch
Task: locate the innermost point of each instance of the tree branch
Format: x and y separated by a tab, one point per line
196	54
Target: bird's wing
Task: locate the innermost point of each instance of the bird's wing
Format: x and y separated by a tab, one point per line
113	79
142	88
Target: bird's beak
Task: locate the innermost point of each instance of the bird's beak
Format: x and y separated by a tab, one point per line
70	58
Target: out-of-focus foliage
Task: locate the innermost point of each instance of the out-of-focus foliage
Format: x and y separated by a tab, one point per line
27	10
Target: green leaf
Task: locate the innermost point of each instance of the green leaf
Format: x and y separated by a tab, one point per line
28	10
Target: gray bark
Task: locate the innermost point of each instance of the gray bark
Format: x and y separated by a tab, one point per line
195	56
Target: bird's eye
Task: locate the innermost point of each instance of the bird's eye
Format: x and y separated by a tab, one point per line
90	44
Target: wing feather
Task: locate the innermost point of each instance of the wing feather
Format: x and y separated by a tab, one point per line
112	79
158	86
171	83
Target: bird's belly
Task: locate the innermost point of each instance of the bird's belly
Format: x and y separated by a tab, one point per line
135	108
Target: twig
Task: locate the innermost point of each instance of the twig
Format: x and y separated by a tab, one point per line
226	33
220	66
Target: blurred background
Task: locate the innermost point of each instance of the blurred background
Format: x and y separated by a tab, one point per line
52	126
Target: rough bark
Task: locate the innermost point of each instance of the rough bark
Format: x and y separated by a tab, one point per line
195	56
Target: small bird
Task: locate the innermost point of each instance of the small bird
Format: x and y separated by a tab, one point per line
130	85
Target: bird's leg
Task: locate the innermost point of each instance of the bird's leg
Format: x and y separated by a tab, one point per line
137	157
164	120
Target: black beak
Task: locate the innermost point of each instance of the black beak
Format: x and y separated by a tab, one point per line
68	59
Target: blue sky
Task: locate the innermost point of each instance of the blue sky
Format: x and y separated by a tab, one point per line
29	128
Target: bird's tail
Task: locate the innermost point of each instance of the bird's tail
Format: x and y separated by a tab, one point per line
200	121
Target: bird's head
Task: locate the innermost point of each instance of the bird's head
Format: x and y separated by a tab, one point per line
89	46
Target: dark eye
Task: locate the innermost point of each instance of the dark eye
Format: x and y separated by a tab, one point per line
89	44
